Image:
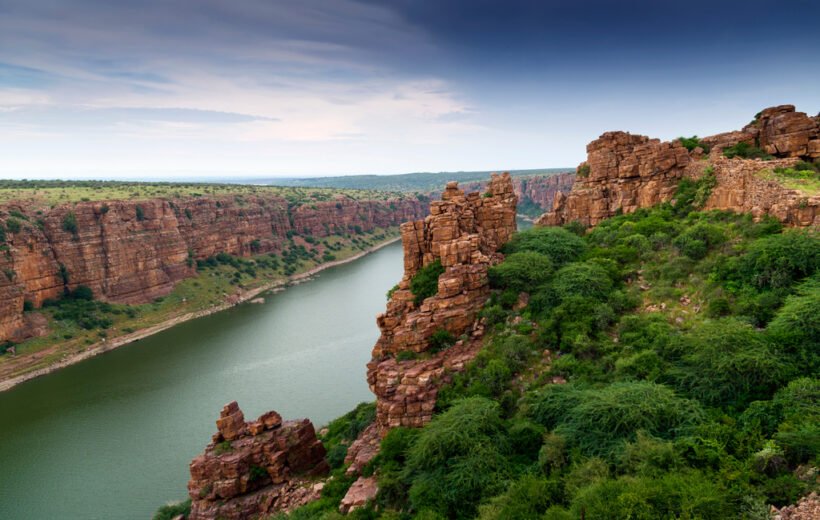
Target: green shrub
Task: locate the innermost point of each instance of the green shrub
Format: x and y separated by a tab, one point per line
13	225
170	511
690	143
70	223
728	363
526	498
424	283
140	212
745	151
521	272
583	170
585	279
344	430
560	245
796	327
672	495
459	459
440	340
780	260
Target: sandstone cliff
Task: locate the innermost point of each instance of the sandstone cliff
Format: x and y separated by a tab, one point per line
624	172
535	193
251	469
135	251
464	233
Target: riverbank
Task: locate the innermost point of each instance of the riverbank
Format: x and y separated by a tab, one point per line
236	298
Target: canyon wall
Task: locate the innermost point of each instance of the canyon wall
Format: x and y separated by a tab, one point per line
535	193
464	232
624	172
135	251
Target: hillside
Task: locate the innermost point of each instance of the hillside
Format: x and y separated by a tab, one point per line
661	364
422	182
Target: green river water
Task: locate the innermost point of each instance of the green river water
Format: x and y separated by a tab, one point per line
111	437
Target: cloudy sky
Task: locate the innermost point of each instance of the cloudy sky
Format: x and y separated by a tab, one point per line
162	88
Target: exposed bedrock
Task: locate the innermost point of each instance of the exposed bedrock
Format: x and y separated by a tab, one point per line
252	469
624	172
135	251
464	232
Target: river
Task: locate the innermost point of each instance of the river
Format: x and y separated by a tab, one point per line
111	437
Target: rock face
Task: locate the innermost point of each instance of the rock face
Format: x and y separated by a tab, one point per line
255	468
464	233
624	172
537	191
135	251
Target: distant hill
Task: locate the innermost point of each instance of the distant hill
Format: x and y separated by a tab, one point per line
421	182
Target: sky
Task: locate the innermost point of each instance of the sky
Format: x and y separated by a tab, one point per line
243	88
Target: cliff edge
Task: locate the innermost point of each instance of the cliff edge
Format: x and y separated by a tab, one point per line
625	172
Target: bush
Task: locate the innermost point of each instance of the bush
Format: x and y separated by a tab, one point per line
560	245
140	213
13	225
459	459
589	280
70	223
690	143
521	272
170	511
672	495
796	327
598	422
780	260
526	498
745	151
82	292
440	340
424	283
728	363
344	430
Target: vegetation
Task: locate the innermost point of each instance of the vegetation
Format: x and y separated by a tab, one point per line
690	143
58	191
171	511
746	151
665	367
408	182
803	176
424	283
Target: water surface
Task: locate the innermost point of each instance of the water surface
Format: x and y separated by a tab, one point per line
111	437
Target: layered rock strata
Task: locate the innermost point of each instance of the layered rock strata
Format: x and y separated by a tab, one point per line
624	172
534	191
252	469
135	251
464	232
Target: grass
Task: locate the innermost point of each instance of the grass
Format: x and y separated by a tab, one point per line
60	192
805	181
200	293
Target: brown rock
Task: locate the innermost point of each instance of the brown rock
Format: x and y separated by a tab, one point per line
255	469
360	493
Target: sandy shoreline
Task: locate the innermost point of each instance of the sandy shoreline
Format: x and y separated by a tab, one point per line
236	299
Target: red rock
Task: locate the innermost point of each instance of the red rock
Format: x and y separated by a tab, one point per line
627	172
360	493
247	472
125	259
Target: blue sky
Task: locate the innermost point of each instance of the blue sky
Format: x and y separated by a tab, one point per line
174	88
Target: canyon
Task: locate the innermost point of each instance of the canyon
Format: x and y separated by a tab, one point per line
624	172
136	251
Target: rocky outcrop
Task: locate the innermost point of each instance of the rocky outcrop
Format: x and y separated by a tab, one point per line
135	251
535	193
808	508
464	232
748	187
252	469
624	172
